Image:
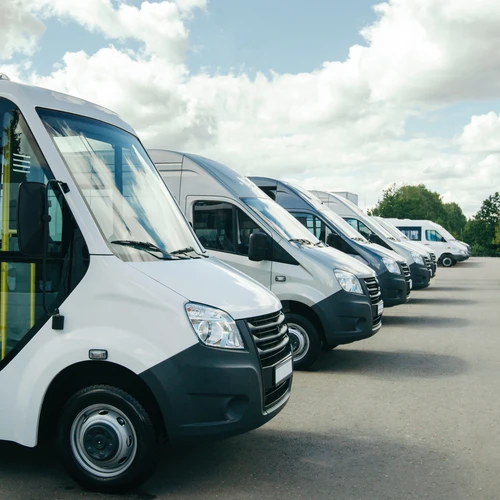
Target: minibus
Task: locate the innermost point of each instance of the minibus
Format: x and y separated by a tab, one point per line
117	330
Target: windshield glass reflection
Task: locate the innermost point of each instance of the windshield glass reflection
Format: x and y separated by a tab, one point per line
123	190
280	220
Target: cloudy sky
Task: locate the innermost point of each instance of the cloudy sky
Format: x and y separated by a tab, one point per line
337	95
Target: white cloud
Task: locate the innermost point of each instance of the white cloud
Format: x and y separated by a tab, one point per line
158	25
339	127
482	134
19	30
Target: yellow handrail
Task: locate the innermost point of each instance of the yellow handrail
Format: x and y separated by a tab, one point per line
5	246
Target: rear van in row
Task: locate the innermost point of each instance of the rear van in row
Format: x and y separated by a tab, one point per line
420	264
447	249
328	297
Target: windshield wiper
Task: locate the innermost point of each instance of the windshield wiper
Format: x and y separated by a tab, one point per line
146	246
301	241
186	251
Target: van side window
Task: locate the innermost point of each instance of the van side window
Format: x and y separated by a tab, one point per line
245	227
21	281
360	227
412	233
213	224
352	222
222	226
313	223
432	235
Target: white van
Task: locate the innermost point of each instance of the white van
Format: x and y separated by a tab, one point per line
328	297
390	228
420	264
448	251
450	237
117	330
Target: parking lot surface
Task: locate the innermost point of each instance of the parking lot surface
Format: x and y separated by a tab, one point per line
412	413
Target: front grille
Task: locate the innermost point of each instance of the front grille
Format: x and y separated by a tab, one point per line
270	335
405	268
373	289
427	262
274	395
433	257
375	295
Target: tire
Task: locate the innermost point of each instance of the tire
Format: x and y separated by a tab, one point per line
447	261
107	440
305	339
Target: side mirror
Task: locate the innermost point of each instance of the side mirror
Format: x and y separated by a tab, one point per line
258	246
334	240
443	240
31	217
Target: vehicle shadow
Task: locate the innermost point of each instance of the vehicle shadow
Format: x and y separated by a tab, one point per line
471	263
271	463
424	321
391	364
441	288
264	464
428	301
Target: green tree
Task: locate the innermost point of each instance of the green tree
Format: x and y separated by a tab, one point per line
410	202
483	230
453	219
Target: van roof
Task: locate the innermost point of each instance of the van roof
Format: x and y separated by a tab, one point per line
239	185
29	96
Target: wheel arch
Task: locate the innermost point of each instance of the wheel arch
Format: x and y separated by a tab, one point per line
86	373
293	306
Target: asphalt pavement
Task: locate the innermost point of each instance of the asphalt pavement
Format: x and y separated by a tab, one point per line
412	413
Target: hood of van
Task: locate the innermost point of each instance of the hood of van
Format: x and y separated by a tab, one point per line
338	260
211	282
414	248
384	252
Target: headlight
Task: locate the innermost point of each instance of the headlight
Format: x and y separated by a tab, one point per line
417	258
348	281
214	327
392	265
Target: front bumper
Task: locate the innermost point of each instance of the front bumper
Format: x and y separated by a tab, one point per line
206	392
420	275
347	317
394	289
459	257
434	269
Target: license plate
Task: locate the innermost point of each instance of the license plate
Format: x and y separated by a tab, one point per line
380	308
283	370
411	284
430	270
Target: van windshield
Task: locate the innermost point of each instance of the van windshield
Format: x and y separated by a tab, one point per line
393	230
329	215
286	225
375	226
123	190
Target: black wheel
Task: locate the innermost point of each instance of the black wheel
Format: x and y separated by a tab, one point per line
305	340
107	440
448	261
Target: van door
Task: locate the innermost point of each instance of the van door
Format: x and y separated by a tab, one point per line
435	241
224	229
22	286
